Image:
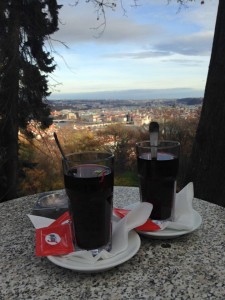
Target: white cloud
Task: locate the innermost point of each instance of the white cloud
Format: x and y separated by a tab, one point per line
153	46
194	44
140	54
78	25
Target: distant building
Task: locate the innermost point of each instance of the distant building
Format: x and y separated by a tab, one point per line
140	120
71	116
91	118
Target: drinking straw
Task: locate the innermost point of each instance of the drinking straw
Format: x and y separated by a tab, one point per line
154	135
59	146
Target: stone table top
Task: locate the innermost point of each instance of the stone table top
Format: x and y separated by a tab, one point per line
188	267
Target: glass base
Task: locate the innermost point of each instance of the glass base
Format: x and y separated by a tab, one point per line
95	252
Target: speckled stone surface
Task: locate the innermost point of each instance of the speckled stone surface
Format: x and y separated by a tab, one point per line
188	267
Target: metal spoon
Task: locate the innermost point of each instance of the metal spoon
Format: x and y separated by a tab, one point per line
154	134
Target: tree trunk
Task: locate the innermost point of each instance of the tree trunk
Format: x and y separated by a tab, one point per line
9	130
208	153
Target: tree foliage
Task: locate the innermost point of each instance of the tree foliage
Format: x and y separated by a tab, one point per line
121	140
24	64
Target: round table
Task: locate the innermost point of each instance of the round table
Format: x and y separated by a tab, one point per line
188	267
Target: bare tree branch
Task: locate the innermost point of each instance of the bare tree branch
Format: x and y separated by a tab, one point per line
101	7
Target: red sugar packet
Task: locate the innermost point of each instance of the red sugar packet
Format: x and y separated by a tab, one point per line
56	239
63	219
149	225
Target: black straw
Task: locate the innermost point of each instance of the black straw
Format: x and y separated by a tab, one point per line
59	146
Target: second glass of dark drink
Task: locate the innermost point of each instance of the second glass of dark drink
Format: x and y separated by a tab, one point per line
89	180
157	176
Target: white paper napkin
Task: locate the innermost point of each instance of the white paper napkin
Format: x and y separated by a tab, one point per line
120	231
40	222
183	211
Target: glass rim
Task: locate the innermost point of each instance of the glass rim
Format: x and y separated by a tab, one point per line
171	144
108	156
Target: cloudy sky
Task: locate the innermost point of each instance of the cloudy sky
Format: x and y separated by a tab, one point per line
153	50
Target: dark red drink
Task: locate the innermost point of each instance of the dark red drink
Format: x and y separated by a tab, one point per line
90	190
157	178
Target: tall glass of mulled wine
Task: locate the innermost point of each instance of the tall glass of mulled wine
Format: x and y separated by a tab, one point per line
89	180
157	172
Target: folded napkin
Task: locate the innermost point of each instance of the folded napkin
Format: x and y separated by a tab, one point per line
120	231
182	217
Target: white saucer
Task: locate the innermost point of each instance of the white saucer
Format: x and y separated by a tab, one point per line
168	233
75	264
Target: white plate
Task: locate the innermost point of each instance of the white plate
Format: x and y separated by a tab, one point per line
101	265
168	233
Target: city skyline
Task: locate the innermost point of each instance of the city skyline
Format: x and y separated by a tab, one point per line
156	50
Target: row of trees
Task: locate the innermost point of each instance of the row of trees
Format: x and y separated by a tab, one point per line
41	162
